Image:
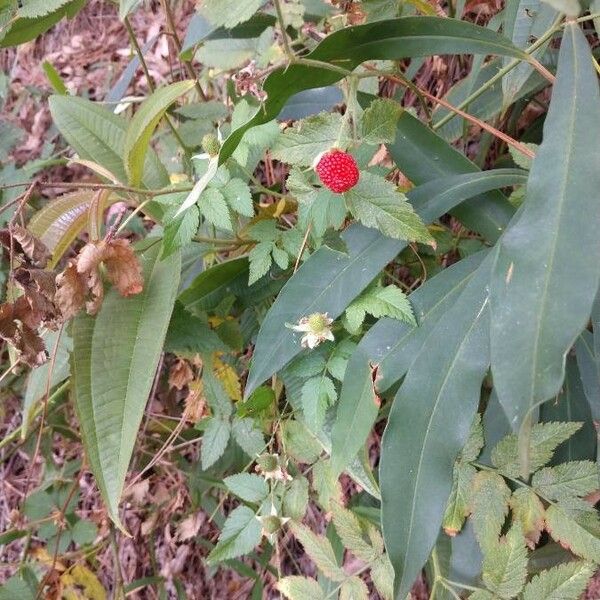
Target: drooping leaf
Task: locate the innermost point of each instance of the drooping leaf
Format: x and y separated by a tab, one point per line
540	268
458	507
126	339
214	441
98	135
348	527
588	362
295	501
143	124
387	40
432	413
311	102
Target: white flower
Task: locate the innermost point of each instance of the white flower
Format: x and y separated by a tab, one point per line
316	329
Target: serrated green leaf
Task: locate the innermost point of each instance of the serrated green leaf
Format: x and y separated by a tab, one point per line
563	582
125	338
296	587
572	405
247	486
295	501
326	484
538	271
529	511
214	441
319	550
260	261
475	441
576	478
238	196
348	527
354	588
143	124
489	507
382	574
571	534
32	9
545	437
299	442
376	203
318	393
247	436
241	533
337	362
389	301
379	121
213	208
228	13
300	145
505	564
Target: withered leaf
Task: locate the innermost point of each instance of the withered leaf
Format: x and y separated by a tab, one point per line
14	329
40	289
70	291
123	268
25	243
180	374
8	326
31	347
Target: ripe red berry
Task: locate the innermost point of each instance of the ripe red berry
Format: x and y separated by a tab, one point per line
338	171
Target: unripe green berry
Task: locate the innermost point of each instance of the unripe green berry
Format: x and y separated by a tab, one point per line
267	463
211	144
271	523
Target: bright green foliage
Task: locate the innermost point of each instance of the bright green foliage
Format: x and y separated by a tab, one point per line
545	437
354	588
351	533
376	203
179	231
379	121
302	144
505	564
318	393
563	582
459	502
389	301
579	531
295	500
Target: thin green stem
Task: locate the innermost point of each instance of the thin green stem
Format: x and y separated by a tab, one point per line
462	586
286	42
101	186
499	75
151	85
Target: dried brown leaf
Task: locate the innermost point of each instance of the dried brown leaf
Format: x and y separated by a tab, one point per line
8	326
70	291
25	243
123	268
31	347
180	374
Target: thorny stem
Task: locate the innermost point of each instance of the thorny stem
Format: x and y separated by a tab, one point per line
189	67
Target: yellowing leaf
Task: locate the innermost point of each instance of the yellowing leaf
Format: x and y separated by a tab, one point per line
227	375
81	584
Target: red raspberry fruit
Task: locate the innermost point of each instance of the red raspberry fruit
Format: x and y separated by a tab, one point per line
338	171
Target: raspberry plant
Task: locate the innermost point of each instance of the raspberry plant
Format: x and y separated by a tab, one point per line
347	310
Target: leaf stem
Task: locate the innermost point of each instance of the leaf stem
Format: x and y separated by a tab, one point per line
189	67
286	42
